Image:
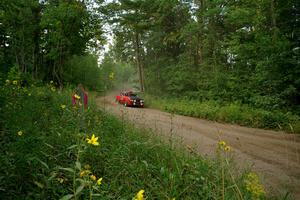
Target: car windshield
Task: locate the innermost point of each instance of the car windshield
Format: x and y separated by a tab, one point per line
134	96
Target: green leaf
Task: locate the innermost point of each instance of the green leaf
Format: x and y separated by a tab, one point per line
43	163
67	197
49	145
146	164
79	189
78	165
52	176
80	180
40	185
67	169
37	159
72	147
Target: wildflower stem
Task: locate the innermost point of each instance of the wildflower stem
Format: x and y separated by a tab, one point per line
91	192
231	176
223	182
74	175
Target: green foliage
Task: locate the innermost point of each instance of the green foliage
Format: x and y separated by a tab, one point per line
50	157
19	28
117	74
85	70
239	51
235	113
39	37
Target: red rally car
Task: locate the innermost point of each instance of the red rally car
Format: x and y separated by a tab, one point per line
130	99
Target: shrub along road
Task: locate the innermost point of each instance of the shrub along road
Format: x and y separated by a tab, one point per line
274	155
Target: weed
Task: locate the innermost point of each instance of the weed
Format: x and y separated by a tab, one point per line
52	150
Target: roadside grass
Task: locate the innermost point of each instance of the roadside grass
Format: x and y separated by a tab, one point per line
45	154
234	113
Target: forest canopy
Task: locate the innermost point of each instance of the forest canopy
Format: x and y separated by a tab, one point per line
230	51
227	51
40	38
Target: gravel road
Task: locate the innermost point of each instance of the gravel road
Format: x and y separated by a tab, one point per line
274	155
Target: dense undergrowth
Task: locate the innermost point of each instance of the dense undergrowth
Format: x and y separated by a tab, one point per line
231	113
45	154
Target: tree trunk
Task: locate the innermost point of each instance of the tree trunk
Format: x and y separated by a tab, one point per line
24	67
273	19
138	61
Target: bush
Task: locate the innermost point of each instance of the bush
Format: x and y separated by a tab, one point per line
235	113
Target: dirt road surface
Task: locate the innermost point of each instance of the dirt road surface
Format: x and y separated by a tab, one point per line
274	155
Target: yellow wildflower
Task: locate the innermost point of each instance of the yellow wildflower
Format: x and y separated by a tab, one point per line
76	96
20	133
254	186
60	180
222	143
93	177
52	89
111	76
84	172
93	140
99	181
63	106
51	82
7	81
140	195
227	148
87	166
15	82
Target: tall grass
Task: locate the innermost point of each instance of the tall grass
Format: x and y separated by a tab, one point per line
45	155
234	113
